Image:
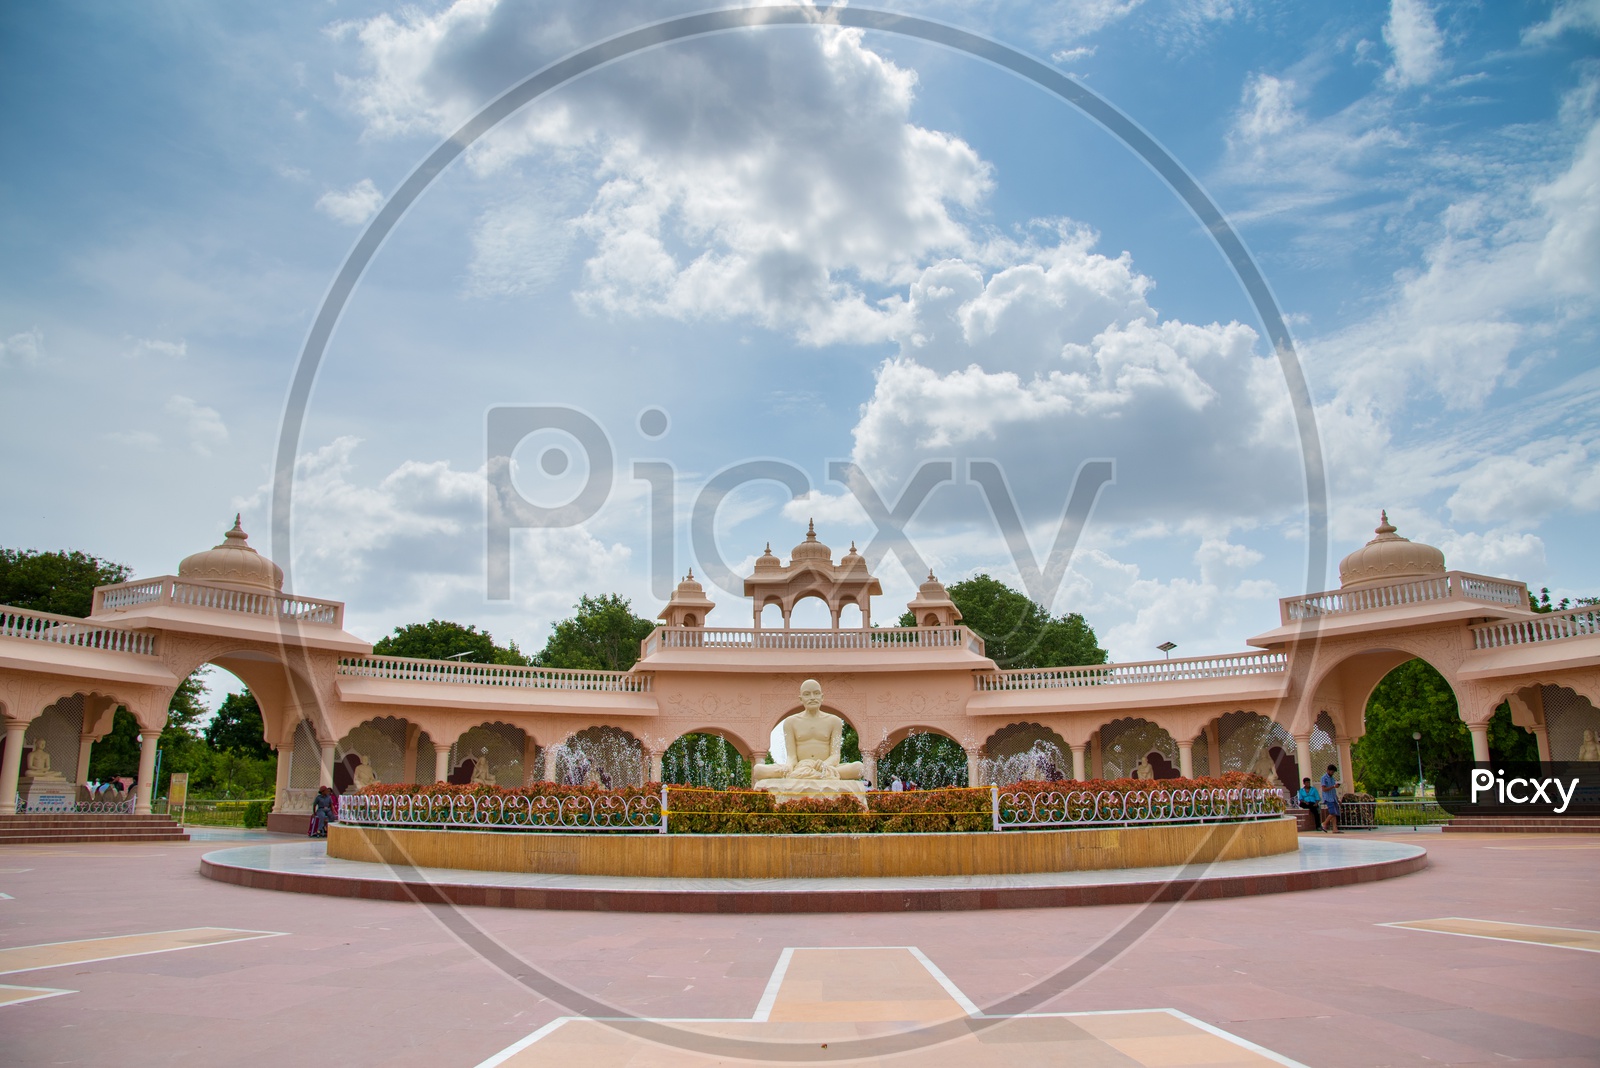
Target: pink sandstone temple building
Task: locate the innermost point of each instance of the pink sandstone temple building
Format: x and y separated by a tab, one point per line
1298	694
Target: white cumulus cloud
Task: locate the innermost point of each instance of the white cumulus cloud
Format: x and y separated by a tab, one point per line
1413	37
352	206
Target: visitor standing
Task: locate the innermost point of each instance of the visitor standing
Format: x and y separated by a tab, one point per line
895	784
1330	800
1310	799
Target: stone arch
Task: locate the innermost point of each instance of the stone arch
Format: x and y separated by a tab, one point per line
928	756
1357	673
709	757
60	726
800	604
604	754
850	731
1560	711
380	743
1125	742
1250	741
503	746
1021	751
283	690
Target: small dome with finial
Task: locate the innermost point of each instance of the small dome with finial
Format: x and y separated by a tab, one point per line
689	604
811	548
1389	557
767	561
852	560
234	563
932	606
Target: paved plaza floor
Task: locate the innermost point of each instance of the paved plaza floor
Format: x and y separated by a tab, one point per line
124	954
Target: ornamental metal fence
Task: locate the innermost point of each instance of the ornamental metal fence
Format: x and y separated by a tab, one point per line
649	813
1024	809
587	812
1385	813
123	807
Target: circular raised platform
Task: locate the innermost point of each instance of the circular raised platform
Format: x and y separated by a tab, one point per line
305	867
781	856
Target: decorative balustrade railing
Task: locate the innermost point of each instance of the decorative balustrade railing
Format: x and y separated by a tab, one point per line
1066	807
1198	667
1451	586
637	812
875	640
514	676
1548	627
69	630
192	594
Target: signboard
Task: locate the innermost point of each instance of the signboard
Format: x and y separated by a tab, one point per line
178	791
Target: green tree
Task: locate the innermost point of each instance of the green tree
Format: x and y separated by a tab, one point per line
118	752
59	582
1413	698
1542	603
440	639
604	635
1507	741
1018	633
237	727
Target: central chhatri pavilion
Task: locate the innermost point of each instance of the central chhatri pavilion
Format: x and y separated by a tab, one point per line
335	713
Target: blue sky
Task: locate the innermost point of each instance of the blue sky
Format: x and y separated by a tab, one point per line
806	245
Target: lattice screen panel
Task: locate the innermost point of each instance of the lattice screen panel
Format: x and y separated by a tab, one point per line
59	726
304	770
1567	714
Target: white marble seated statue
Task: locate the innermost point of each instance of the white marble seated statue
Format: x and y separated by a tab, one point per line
481	775
812	739
1589	749
363	776
39	763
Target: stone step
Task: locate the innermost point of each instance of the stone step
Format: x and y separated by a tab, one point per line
7	838
90	824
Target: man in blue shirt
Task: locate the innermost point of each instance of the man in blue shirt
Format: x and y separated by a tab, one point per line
1310	799
1330	800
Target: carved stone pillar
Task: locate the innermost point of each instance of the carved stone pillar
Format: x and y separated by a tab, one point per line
1098	765
1302	748
413	740
869	769
1480	741
1186	759
1214	748
280	789
1346	769
549	763
1080	760
325	765
85	747
975	767
655	765
11	765
1541	737
149	745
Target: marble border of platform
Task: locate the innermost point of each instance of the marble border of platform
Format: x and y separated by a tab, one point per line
1320	863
